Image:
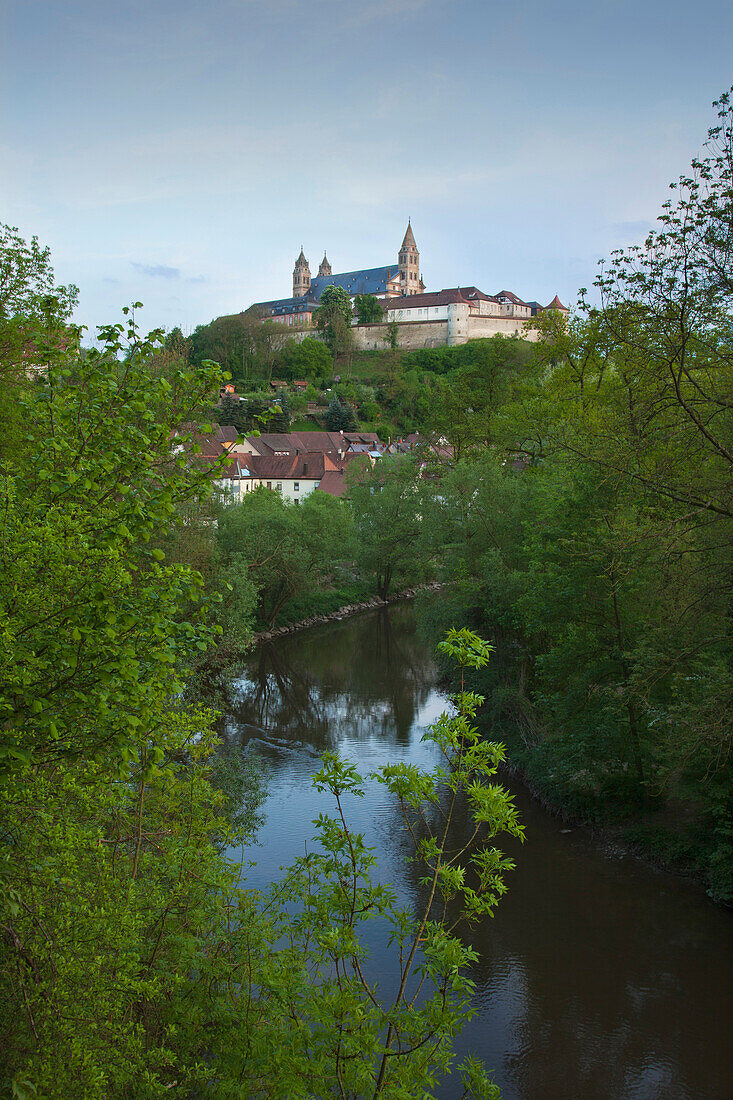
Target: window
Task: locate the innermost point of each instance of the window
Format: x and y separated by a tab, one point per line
279	486
269	485
296	486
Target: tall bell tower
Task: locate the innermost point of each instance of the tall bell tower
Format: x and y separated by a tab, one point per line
409	264
325	268
301	276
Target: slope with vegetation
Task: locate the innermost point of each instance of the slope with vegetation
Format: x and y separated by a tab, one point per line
135	961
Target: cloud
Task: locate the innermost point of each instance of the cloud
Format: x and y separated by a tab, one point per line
158	271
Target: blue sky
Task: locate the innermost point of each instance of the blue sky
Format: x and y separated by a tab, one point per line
179	153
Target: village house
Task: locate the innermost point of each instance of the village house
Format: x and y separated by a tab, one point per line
295	464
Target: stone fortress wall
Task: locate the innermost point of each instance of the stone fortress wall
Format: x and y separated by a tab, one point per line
413	335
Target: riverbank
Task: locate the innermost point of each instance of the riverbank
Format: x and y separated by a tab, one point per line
372	604
621	840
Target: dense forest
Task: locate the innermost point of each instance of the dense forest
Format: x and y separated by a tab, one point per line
579	512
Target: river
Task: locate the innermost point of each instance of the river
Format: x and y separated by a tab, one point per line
598	979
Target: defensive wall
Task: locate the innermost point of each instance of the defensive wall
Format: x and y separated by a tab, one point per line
458	329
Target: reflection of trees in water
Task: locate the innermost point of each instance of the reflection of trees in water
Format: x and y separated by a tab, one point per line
596	995
360	678
577	970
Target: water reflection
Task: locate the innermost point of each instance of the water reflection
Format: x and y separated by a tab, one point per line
363	678
597	979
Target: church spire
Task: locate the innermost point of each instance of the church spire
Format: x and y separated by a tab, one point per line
301	276
325	267
409	239
409	263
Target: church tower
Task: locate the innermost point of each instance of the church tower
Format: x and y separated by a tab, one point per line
301	276
409	264
325	268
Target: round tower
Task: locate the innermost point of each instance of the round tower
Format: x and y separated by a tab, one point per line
301	276
325	267
409	263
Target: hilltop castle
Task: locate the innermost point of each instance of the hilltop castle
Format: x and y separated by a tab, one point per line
450	316
391	281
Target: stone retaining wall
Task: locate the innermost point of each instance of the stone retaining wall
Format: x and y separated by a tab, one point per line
343	612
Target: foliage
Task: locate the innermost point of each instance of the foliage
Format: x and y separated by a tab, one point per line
333	320
368	309
387	503
254	414
308	359
28	290
340	416
135	961
34	316
85	597
243	344
283	549
591	539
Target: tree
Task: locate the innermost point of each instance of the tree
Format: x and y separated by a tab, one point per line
368	309
134	961
244	344
308	358
392	334
387	503
468	398
340	416
333	320
28	290
34	324
663	334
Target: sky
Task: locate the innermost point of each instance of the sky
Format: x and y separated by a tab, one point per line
180	153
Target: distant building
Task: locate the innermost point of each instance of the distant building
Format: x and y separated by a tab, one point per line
456	315
392	280
424	320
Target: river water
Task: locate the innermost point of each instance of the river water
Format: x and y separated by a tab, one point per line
598	978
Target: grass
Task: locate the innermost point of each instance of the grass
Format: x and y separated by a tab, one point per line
372	366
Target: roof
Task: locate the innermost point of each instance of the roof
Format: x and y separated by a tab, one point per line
333	482
305	303
213	443
299	442
511	297
369	280
409	238
437	298
557	304
302	467
238	467
362	437
276	441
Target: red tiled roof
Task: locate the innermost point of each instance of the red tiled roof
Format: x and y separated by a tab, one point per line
215	443
362	437
302	467
299	442
472	293
557	304
512	298
437	298
333	482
